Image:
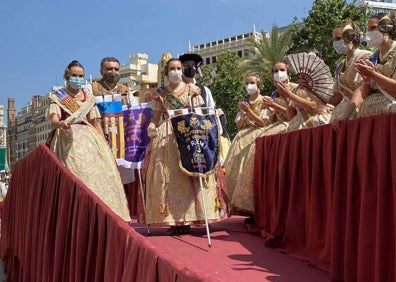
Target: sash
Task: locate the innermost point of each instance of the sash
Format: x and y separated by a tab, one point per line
197	138
77	113
374	58
387	95
169	98
136	121
67	100
343	86
274	95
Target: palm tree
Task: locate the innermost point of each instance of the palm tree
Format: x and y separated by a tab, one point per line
265	53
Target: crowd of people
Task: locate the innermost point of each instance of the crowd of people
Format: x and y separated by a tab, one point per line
364	85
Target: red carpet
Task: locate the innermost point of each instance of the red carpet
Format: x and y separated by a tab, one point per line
235	255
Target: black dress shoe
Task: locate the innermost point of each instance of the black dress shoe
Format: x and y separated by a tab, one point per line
185	229
250	220
173	230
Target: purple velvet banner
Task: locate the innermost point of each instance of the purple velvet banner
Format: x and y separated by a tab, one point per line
136	121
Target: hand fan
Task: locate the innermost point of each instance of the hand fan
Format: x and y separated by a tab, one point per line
313	73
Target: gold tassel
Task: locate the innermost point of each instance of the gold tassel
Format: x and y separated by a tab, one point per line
206	184
218	205
164	211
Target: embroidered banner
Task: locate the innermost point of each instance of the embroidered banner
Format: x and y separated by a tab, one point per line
197	141
136	121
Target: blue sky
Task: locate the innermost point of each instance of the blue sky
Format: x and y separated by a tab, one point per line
40	37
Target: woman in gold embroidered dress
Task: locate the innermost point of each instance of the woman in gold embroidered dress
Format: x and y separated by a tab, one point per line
250	120
275	103
275	110
79	143
304	108
173	197
346	40
379	84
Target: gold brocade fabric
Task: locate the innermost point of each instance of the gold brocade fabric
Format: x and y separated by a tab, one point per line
377	103
225	146
238	165
350	79
172	196
85	153
304	119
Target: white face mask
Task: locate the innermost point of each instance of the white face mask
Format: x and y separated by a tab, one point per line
340	47
374	38
251	88
175	76
280	76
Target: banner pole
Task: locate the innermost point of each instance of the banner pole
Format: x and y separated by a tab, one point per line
142	191
204	208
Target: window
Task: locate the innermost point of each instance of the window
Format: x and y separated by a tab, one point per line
207	61
213	60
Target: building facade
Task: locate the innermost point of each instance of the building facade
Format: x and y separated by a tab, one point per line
238	44
139	75
378	6
28	129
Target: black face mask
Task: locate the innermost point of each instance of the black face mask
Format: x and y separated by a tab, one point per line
189	72
111	77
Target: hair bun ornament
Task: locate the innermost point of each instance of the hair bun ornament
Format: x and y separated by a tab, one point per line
385	25
392	14
351	33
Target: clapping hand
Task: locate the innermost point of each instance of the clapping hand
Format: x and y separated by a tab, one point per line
268	102
365	68
243	106
283	91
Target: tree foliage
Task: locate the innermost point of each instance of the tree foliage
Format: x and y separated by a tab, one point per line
227	86
316	33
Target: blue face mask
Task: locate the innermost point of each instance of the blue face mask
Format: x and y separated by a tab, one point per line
340	47
76	82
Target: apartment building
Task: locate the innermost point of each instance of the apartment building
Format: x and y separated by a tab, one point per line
139	75
237	43
378	6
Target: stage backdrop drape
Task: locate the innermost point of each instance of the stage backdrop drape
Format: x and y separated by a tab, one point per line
327	196
54	228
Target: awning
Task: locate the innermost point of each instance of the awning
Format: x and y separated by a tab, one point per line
3	159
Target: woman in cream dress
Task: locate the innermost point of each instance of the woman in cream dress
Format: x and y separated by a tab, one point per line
173	197
79	143
304	108
346	40
274	109
251	121
379	84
